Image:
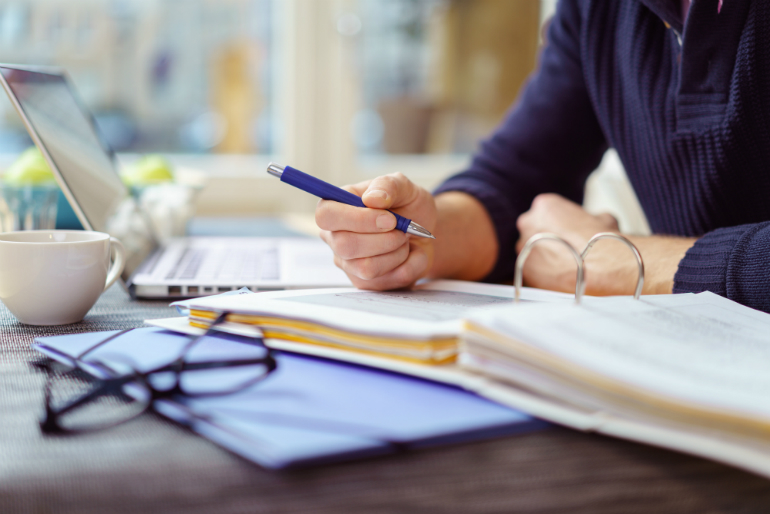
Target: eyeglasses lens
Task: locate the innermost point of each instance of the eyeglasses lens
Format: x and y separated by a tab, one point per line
80	404
216	365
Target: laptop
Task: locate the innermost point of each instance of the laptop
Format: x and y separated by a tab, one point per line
86	170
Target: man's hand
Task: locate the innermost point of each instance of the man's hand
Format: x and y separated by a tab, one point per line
366	246
610	266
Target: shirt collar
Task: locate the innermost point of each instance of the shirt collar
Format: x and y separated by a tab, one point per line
670	11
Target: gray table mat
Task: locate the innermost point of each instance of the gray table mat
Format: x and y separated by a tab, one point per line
151	465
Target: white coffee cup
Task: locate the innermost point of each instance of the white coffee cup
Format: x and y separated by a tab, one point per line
53	277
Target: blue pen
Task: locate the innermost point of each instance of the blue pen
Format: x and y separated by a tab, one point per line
321	189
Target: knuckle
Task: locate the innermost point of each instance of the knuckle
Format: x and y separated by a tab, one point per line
543	200
364	220
321	215
344	244
397	240
609	219
357	282
367	268
524	221
404	251
402	277
369	285
390	181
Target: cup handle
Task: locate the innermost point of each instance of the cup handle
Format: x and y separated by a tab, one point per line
116	248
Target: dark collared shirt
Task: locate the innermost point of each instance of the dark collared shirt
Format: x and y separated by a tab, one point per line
687	107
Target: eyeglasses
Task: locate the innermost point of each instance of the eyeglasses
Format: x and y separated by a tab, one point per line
77	402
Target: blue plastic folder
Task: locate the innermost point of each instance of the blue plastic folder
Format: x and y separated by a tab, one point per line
309	410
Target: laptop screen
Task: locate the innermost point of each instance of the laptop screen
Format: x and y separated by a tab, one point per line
82	159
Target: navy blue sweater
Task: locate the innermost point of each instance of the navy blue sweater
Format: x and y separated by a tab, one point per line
690	121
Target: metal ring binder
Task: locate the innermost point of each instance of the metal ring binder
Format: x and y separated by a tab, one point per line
517	276
618	237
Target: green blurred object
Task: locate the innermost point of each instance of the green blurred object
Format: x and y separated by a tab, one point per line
148	170
28	194
30	169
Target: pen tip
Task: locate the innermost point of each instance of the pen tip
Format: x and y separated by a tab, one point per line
275	170
418	230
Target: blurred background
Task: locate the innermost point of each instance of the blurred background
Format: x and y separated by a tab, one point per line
343	89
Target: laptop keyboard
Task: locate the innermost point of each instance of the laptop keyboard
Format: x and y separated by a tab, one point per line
239	265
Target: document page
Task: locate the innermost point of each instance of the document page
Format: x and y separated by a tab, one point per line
427	305
433	310
702	349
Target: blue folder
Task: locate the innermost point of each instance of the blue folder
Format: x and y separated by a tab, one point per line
309	410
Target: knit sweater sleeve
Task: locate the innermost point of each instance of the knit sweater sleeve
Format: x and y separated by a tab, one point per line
732	262
549	142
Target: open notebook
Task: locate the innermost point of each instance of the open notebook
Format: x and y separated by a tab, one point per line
687	372
420	325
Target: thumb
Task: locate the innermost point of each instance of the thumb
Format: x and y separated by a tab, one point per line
609	220
394	190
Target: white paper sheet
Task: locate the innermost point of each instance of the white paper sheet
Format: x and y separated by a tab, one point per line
430	311
703	350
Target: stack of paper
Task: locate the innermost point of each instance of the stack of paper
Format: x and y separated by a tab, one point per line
420	325
688	372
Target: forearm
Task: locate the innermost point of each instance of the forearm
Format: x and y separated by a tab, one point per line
466	245
610	267
467	248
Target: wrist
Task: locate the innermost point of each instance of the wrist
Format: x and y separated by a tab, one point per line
466	242
661	256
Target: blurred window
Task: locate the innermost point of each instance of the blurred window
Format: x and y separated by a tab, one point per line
159	75
344	89
438	75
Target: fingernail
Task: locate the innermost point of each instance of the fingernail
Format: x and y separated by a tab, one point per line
386	221
377	193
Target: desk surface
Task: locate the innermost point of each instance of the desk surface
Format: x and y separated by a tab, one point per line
152	465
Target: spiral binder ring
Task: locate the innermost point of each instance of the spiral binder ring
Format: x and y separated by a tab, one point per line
517	276
618	237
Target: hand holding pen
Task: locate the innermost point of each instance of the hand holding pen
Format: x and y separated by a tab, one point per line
366	242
